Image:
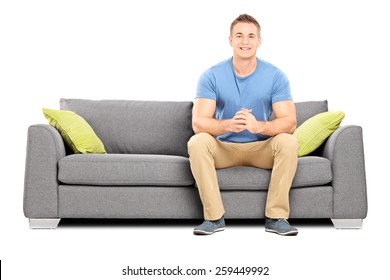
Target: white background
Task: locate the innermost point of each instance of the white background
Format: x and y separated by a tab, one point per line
156	50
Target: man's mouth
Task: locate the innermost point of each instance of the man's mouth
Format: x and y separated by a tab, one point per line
244	49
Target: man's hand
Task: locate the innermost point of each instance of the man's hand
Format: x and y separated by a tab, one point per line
203	120
244	119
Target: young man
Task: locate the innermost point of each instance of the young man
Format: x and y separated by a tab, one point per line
231	120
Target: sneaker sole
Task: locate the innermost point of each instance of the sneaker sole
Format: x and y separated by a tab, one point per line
202	232
289	233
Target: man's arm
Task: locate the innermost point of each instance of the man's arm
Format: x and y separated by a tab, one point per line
203	119
285	120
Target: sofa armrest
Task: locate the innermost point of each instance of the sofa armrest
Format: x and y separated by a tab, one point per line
44	149
344	148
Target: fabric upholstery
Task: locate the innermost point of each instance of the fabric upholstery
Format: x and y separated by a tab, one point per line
137	127
118	169
151	127
75	131
153	202
156	202
344	149
311	171
332	185
45	147
155	170
314	131
308	109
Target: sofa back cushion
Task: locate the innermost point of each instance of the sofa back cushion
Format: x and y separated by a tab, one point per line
137	127
152	127
308	109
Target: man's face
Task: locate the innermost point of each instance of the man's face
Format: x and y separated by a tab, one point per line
245	40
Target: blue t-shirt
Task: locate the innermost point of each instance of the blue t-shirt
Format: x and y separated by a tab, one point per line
257	91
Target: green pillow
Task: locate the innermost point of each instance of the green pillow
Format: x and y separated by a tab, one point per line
314	131
75	131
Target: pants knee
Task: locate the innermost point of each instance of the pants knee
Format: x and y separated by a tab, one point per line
199	142
286	142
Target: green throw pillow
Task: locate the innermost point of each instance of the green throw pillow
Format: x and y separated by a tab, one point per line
314	131
75	131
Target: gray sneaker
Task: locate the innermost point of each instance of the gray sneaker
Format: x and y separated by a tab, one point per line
209	227
279	226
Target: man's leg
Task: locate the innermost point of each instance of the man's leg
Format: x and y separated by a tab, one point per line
281	154
207	154
285	152
277	211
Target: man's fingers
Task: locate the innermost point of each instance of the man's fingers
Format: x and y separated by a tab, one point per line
239	117
241	120
237	128
237	121
244	111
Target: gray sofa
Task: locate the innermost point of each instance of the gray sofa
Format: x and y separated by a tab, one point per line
146	173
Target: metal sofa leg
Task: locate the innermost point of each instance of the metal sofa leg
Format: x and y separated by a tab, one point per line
347	223
44	223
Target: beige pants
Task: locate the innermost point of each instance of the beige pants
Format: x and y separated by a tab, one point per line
279	153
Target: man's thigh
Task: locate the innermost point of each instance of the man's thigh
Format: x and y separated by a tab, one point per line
255	154
261	154
227	154
258	154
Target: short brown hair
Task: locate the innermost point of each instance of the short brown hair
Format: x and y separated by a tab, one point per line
246	19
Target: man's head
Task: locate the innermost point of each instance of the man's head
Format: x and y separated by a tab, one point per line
245	36
244	18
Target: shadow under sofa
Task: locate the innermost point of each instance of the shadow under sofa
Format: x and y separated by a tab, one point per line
146	173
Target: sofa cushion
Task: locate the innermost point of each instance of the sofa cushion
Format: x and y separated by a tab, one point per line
311	171
314	131
117	169
75	131
137	127
157	170
308	109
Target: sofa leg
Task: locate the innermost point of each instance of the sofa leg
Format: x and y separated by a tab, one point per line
347	223
44	223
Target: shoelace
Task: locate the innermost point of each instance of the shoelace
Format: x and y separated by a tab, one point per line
284	220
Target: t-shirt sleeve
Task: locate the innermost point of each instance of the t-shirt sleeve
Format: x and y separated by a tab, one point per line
206	86
281	88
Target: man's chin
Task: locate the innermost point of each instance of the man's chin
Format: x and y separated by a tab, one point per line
246	55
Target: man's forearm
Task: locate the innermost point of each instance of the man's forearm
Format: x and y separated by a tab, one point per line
210	125
237	124
277	126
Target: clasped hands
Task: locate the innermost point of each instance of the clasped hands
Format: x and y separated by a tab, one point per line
244	120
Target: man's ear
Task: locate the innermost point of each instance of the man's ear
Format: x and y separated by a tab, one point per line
230	41
259	42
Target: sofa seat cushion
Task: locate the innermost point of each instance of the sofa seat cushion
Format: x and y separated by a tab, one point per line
311	171
121	169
